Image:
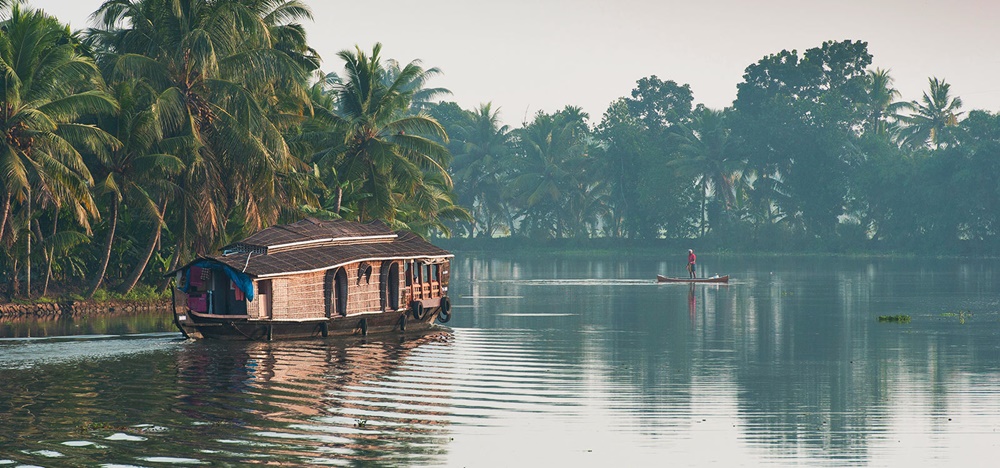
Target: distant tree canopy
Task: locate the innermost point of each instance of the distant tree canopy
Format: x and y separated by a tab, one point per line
816	153
174	127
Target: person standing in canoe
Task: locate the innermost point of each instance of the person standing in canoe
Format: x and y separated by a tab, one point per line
691	259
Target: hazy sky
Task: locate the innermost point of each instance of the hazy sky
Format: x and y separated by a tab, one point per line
531	55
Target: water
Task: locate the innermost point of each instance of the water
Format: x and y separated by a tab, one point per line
550	363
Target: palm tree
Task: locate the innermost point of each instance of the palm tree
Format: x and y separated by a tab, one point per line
48	87
703	147
485	143
137	173
885	108
553	172
932	116
420	96
372	147
430	208
225	85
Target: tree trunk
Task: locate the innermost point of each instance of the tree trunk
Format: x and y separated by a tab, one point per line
51	254
178	249
4	215
28	240
140	267
704	197
510	219
99	277
15	283
340	199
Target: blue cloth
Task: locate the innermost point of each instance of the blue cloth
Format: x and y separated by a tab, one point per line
242	280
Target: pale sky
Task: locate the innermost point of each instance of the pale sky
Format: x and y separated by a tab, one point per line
532	55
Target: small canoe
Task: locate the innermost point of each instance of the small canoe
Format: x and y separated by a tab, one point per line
714	279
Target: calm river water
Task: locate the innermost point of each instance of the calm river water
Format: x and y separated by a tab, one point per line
550	362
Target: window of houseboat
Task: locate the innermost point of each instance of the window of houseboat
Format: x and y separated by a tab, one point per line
365	272
389	284
335	292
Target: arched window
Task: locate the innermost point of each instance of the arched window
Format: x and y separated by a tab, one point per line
335	292
364	272
389	285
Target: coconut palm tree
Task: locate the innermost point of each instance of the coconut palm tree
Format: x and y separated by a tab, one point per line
225	85
137	173
420	97
936	112
431	208
703	150
48	88
485	144
552	172
373	148
883	101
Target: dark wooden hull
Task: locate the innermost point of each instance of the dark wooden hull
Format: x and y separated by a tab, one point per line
667	279
235	327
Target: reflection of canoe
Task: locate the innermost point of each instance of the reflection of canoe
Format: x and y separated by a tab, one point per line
714	279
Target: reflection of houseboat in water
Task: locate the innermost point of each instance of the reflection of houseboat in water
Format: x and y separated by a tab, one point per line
315	278
320	402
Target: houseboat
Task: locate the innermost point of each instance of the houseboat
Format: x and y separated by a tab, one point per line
314	279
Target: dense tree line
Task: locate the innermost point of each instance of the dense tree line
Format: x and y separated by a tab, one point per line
817	152
174	127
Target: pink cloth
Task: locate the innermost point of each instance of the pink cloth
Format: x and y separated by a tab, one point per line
237	291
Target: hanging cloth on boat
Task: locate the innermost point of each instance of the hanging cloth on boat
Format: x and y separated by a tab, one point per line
242	281
236	290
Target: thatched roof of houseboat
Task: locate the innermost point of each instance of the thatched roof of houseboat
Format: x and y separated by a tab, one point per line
311	230
314	245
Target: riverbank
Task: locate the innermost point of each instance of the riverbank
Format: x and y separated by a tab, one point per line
641	248
81	308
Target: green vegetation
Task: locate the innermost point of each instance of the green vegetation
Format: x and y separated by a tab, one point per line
894	318
817	154
175	127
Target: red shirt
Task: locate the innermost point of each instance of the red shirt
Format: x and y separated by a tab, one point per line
691	258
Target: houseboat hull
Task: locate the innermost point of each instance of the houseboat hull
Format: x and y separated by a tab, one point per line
197	325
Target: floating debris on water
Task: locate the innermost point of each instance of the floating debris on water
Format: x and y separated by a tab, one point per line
961	315
894	318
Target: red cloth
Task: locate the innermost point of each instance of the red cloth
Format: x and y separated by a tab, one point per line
237	291
691	258
198	302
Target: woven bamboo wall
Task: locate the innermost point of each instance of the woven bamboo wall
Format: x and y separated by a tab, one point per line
363	291
279	298
298	297
254	307
303	296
